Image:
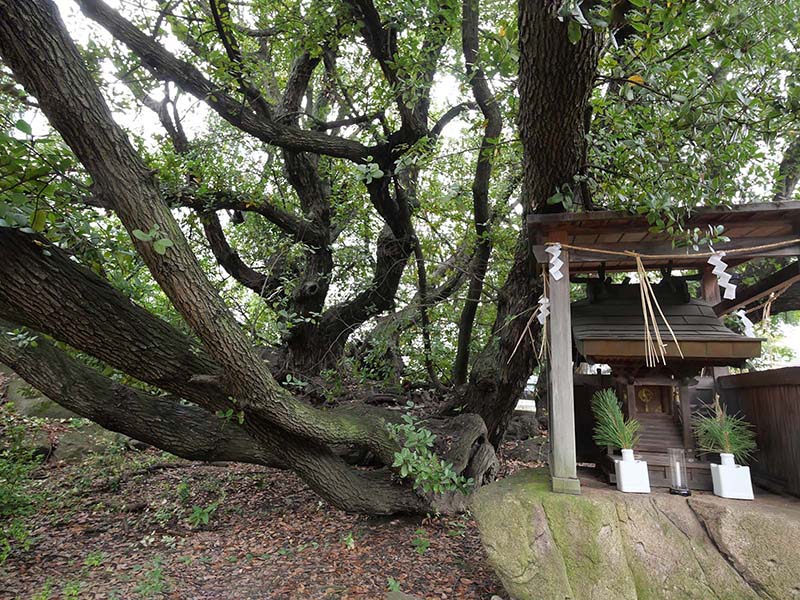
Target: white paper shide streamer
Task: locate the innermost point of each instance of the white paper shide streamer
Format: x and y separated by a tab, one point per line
544	309
723	276
554	250
747	323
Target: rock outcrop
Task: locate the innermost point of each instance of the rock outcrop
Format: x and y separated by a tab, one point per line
72	444
608	545
29	402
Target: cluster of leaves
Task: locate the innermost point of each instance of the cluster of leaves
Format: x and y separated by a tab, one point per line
611	428
160	242
22	338
694	108
201	515
417	459
37	175
718	431
420	541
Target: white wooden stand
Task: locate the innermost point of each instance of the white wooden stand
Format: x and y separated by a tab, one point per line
731	480
631	474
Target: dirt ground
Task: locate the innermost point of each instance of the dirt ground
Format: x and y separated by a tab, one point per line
146	525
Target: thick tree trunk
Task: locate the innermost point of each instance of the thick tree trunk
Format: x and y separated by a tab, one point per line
555	82
497	379
44	290
184	430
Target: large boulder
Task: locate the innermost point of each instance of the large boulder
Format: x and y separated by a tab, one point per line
523	425
608	545
85	439
29	402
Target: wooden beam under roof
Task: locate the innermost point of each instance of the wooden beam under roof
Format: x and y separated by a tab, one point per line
750	225
747	295
606	219
584	261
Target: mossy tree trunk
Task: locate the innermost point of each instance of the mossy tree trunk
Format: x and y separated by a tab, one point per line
213	364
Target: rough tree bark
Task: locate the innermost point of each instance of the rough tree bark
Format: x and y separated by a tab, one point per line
33	42
184	430
555	82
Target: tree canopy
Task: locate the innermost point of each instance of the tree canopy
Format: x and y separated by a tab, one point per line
254	222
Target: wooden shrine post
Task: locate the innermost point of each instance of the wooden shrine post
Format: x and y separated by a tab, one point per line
709	286
563	463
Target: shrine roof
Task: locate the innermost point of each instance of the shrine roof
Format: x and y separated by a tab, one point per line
611	329
748	225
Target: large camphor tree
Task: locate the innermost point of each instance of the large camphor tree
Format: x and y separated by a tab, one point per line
249	231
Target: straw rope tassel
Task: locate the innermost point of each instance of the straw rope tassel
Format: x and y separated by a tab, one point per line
648	342
544	347
649	296
669	327
649	299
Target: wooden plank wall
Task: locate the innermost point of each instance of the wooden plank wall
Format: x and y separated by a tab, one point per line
770	400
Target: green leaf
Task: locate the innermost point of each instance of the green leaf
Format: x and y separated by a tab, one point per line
574	32
39	220
23	126
141	235
160	246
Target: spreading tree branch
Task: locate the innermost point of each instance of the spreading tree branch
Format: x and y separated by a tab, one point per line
163	421
167	67
480	185
229	259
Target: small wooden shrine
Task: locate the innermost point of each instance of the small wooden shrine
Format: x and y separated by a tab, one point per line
607	328
614	325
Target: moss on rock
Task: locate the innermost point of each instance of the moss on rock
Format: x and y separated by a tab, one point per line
604	544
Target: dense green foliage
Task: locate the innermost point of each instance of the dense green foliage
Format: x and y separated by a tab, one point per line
696	107
17	464
611	427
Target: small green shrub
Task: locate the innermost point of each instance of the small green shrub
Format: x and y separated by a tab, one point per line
71	590
416	458
349	541
94	559
717	431
611	427
184	491
45	593
152	582
17	463
201	516
420	542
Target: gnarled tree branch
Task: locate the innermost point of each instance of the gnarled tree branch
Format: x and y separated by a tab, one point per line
480	185
165	66
163	421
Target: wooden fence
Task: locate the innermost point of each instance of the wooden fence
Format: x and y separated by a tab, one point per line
770	400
